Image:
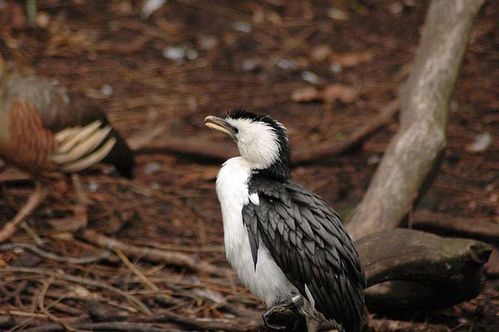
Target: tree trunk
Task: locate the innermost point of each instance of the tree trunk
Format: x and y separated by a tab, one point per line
413	151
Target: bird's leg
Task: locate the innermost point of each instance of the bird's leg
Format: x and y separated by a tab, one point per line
78	219
33	202
80	209
284	316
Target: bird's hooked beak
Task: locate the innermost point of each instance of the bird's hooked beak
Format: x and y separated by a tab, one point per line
214	122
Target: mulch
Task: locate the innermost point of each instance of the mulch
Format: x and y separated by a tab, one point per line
151	257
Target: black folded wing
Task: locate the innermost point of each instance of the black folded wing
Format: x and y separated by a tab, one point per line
310	245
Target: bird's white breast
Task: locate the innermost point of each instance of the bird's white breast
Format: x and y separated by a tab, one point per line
267	281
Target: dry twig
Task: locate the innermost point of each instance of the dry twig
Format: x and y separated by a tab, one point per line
155	255
136	270
396	325
106	326
84	281
33	202
58	258
208	323
45	310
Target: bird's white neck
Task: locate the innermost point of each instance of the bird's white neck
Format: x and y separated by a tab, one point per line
232	187
266	280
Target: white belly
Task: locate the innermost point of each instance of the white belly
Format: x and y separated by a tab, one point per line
267	281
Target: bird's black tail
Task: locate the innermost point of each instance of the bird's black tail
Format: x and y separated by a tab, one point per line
121	156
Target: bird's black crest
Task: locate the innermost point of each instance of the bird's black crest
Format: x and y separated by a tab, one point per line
280	170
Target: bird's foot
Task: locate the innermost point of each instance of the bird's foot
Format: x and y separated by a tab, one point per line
79	218
284	316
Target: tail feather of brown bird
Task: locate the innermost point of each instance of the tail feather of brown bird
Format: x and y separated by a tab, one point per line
81	147
91	159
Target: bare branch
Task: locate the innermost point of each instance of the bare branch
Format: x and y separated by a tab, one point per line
414	150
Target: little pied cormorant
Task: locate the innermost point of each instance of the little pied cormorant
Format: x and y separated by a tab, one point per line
283	241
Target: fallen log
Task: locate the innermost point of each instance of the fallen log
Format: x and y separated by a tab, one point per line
426	271
412	270
404	254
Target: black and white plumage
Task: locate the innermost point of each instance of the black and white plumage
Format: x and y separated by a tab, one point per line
282	239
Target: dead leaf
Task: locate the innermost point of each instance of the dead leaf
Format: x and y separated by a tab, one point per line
305	94
12	15
328	94
338	14
351	59
321	52
343	93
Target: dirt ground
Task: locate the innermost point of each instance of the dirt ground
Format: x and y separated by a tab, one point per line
158	77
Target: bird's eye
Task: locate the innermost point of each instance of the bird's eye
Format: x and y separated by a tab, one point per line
236	130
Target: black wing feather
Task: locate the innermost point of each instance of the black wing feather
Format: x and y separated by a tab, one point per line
252	228
310	245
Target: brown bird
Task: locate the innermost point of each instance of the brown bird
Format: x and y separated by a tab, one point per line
47	133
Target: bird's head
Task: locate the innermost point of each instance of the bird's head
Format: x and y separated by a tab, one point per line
261	140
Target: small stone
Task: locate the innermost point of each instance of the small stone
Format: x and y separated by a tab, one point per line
310	77
150	6
242	26
192	54
93	186
286	64
481	143
338	14
250	64
106	90
151	168
336	68
207	43
174	53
